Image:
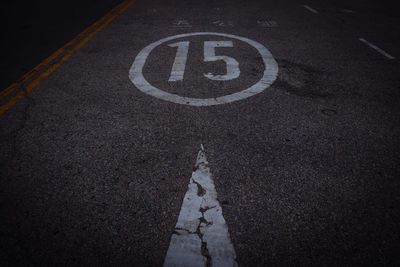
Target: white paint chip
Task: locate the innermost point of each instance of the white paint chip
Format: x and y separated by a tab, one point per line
310	9
377	48
201	236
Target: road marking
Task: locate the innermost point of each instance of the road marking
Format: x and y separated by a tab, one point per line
34	77
178	68
181	24
310	9
269	75
201	236
267	23
232	66
223	24
377	48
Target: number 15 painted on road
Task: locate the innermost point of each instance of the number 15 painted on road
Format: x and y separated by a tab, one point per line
269	73
178	68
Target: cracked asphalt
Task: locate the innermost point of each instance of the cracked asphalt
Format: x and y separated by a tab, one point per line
93	171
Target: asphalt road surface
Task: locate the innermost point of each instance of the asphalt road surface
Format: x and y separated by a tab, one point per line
97	155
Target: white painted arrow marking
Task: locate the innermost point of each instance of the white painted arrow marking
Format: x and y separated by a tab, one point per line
201	236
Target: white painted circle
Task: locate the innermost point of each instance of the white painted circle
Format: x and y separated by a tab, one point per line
269	76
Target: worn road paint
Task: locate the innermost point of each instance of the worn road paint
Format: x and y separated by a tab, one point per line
310	9
377	48
181	24
269	75
34	77
178	68
232	66
220	23
267	23
201	236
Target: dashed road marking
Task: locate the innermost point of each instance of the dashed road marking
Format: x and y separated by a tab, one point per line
310	9
201	236
377	48
138	79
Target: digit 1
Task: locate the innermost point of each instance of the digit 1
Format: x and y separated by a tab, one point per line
178	68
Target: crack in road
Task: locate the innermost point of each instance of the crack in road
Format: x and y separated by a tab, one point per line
200	237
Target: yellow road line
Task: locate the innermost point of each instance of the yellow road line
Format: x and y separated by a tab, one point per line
64	52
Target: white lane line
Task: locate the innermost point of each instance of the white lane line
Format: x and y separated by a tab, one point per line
377	48
201	236
310	9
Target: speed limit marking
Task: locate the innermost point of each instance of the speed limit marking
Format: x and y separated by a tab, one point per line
178	68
